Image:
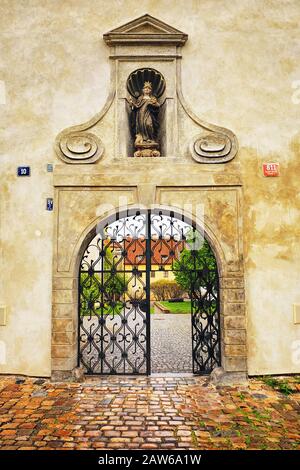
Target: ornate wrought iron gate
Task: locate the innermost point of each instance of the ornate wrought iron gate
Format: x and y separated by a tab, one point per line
114	291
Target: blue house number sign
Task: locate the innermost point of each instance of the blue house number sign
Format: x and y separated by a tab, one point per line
23	171
49	204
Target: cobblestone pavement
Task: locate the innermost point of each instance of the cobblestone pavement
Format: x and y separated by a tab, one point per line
146	413
171	343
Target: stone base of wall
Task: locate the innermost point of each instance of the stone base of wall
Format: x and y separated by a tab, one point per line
220	377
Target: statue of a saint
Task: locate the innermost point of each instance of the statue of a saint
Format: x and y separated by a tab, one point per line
145	123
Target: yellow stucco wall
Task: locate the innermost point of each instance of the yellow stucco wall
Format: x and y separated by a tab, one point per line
238	71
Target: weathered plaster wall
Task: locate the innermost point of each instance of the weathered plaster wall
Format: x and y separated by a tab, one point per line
242	56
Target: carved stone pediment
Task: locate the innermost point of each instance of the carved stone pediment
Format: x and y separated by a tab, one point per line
144	46
145	30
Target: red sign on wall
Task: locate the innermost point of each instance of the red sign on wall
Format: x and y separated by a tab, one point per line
271	169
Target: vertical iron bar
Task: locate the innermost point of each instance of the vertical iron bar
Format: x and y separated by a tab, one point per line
102	243
194	311
218	313
79	319
148	273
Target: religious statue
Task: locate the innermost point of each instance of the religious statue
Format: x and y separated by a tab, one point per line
145	123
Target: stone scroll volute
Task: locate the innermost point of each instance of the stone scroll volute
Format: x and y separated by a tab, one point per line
79	147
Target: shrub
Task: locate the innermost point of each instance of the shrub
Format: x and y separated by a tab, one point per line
174	291
165	289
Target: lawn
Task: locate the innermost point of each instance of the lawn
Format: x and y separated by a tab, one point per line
177	307
174	307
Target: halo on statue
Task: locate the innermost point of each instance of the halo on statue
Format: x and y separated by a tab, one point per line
136	80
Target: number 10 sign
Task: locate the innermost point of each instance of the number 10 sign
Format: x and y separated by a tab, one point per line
23	171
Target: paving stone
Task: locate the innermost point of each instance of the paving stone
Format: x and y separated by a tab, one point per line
174	333
183	433
39	393
171	412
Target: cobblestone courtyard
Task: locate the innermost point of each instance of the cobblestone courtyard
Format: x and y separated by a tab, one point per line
147	413
171	343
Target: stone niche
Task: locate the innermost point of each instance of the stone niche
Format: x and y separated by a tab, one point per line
100	173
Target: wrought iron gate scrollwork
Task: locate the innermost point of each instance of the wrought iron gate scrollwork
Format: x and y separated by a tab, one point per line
114	292
112	325
205	317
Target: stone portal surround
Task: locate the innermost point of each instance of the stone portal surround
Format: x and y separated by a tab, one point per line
199	165
232	321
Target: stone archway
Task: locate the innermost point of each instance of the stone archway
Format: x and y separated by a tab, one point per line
65	308
114	293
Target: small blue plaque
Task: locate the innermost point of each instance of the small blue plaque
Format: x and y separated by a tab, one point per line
49	167
23	171
49	205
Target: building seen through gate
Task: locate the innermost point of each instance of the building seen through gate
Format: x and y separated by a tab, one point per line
115	292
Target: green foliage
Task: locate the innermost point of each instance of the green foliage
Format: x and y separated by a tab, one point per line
261	416
194	439
241	396
114	283
284	388
263	446
195	267
270	381
202	424
107	288
166	289
280	385
89	286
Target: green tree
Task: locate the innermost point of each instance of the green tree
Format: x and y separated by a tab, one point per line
196	268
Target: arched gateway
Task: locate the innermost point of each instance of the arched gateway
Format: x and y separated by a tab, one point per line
145	148
114	297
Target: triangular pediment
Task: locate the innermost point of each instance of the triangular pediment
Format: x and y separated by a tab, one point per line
145	29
